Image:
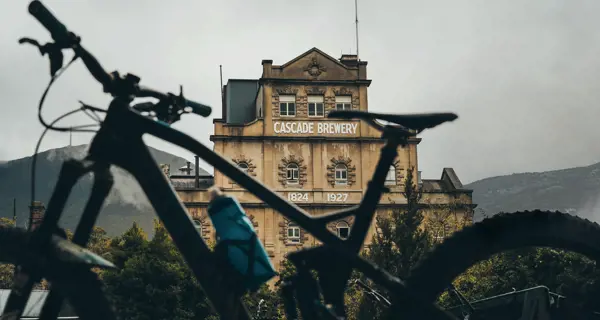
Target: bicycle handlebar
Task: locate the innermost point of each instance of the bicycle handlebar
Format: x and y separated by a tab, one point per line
66	39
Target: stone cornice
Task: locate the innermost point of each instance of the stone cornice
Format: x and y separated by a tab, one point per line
314	82
336	206
214	138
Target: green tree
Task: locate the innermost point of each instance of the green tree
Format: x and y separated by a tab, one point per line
6	270
399	243
352	295
153	281
566	273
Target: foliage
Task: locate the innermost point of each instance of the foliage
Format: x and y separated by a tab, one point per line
6	270
565	273
153	281
398	244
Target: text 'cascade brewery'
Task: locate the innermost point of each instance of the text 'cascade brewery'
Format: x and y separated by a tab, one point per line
303	127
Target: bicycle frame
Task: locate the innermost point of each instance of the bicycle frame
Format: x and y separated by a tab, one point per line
119	142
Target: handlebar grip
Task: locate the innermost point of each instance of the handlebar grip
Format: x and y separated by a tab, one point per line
199	109
95	68
58	30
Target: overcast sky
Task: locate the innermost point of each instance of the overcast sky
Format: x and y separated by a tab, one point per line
522	75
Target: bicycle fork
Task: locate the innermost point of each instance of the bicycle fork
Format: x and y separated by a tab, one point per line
26	277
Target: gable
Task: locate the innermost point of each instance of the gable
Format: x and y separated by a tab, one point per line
315	65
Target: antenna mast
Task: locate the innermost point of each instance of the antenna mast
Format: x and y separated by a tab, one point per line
356	22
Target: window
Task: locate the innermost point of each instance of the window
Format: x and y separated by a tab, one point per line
287	106
439	235
440	232
293	233
243	166
315	106
343	103
390	179
343	230
198	225
341	174
292	173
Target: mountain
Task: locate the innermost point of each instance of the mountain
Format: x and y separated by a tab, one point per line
125	204
574	190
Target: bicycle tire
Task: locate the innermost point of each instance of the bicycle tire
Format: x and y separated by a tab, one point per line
503	232
80	286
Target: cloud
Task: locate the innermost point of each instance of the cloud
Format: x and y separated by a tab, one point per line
523	77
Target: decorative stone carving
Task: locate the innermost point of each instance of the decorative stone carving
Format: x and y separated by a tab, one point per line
399	174
166	169
204	223
333	225
351	173
286	90
315	90
283	233
343	91
254	224
314	68
282	174
243	159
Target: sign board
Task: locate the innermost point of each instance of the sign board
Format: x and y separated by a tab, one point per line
314	127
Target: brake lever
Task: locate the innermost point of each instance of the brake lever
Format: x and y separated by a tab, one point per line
53	50
179	101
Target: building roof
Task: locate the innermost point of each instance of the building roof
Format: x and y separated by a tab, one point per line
315	49
449	182
33	309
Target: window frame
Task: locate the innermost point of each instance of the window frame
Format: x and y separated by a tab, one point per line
341	181
286	100
294	168
338	228
344	101
316	100
391	174
241	166
295	237
199	227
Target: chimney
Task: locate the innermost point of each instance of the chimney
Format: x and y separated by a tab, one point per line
36	214
349	60
197	172
186	170
362	70
267	68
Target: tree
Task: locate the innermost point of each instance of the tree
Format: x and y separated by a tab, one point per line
566	273
153	281
398	244
6	270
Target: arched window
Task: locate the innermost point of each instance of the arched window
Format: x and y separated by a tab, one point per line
440	232
198	225
390	179
243	166
292	173
341	174
293	233
342	229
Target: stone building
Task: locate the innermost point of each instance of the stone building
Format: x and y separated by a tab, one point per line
275	129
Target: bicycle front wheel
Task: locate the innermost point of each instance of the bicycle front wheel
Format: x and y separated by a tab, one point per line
503	232
80	286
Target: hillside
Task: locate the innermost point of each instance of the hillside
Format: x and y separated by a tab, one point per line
126	203
574	190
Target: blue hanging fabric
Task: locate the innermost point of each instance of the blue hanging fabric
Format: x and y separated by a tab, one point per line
237	239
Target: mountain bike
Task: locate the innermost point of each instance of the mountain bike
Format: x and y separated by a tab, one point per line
119	142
